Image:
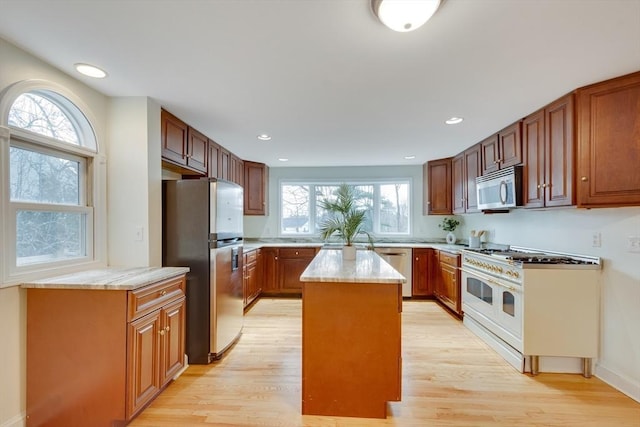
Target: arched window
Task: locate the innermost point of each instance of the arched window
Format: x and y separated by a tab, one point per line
51	149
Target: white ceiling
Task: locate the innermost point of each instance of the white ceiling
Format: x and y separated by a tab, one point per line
325	78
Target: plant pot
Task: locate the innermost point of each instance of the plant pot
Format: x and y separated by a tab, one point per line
349	253
451	238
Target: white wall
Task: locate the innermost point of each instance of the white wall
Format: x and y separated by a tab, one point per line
134	183
567	229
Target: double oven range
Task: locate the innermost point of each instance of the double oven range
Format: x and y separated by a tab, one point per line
538	309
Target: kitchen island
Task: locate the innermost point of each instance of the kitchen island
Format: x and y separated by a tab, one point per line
351	335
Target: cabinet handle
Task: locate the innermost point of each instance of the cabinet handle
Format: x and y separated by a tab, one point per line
163	293
539	186
296	252
168	328
161	332
276	258
584	179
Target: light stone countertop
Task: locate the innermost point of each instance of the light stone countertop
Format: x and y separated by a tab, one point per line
110	278
455	249
368	267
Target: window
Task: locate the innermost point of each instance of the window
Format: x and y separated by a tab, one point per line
386	204
50	218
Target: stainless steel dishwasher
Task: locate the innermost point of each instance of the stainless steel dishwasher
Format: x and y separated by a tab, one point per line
400	259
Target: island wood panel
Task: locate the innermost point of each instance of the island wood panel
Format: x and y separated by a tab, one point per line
351	348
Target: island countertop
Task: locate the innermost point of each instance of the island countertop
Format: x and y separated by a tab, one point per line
110	278
368	267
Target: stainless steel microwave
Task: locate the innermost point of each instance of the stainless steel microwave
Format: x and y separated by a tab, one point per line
500	189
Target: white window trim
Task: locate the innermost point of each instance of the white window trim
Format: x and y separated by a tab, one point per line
96	192
358	181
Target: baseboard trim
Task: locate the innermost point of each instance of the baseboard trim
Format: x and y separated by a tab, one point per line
625	385
16	421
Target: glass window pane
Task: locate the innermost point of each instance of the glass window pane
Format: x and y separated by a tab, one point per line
42	178
295	217
44	236
40	115
394	208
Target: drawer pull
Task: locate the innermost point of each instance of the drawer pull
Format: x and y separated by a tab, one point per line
161	332
167	328
163	293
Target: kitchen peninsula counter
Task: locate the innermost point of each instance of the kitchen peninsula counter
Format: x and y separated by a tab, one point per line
351	335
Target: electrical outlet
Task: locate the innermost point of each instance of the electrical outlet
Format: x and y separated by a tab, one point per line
633	244
596	239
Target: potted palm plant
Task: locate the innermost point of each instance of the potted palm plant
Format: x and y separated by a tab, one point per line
345	220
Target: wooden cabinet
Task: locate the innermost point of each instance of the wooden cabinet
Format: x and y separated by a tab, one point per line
447	283
236	169
282	268
214	154
224	164
422	271
183	148
503	149
437	188
256	188
98	357
252	276
608	143
548	153
291	263
465	168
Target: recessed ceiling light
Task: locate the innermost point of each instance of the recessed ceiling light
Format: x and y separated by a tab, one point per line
264	137
91	71
282	159
409	157
454	120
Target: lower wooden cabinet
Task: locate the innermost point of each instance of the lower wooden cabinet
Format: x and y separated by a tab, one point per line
252	283
425	260
282	268
98	357
447	283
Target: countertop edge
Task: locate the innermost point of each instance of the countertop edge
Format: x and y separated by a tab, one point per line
110	278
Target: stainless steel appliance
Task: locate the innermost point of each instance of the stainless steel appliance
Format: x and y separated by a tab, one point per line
400	259
534	306
501	189
202	229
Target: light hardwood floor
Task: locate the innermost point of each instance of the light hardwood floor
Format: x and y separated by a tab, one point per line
450	378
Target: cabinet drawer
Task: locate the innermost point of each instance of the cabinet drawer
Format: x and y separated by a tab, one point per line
297	252
149	298
447	258
250	257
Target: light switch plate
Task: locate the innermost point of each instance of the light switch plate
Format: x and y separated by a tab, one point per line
633	244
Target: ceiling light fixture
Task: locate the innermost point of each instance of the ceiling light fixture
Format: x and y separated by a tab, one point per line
282	159
90	70
409	157
454	120
404	15
264	137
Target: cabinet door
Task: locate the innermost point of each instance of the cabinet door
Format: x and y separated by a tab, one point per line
510	145
559	143
438	187
143	364
214	154
236	170
490	154
458	184
197	150
256	187
533	156
421	272
450	293
174	138
172	340
472	169
609	143
269	261
224	164
291	264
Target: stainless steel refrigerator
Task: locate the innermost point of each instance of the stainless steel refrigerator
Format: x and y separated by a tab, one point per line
202	230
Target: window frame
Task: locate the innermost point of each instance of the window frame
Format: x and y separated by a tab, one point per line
92	186
376	183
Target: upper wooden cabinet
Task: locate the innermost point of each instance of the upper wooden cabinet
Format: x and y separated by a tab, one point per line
224	164
548	153
437	188
503	149
236	170
465	168
256	188
182	145
608	135
214	154
197	154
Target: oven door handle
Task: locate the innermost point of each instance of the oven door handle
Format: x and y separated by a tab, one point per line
489	279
